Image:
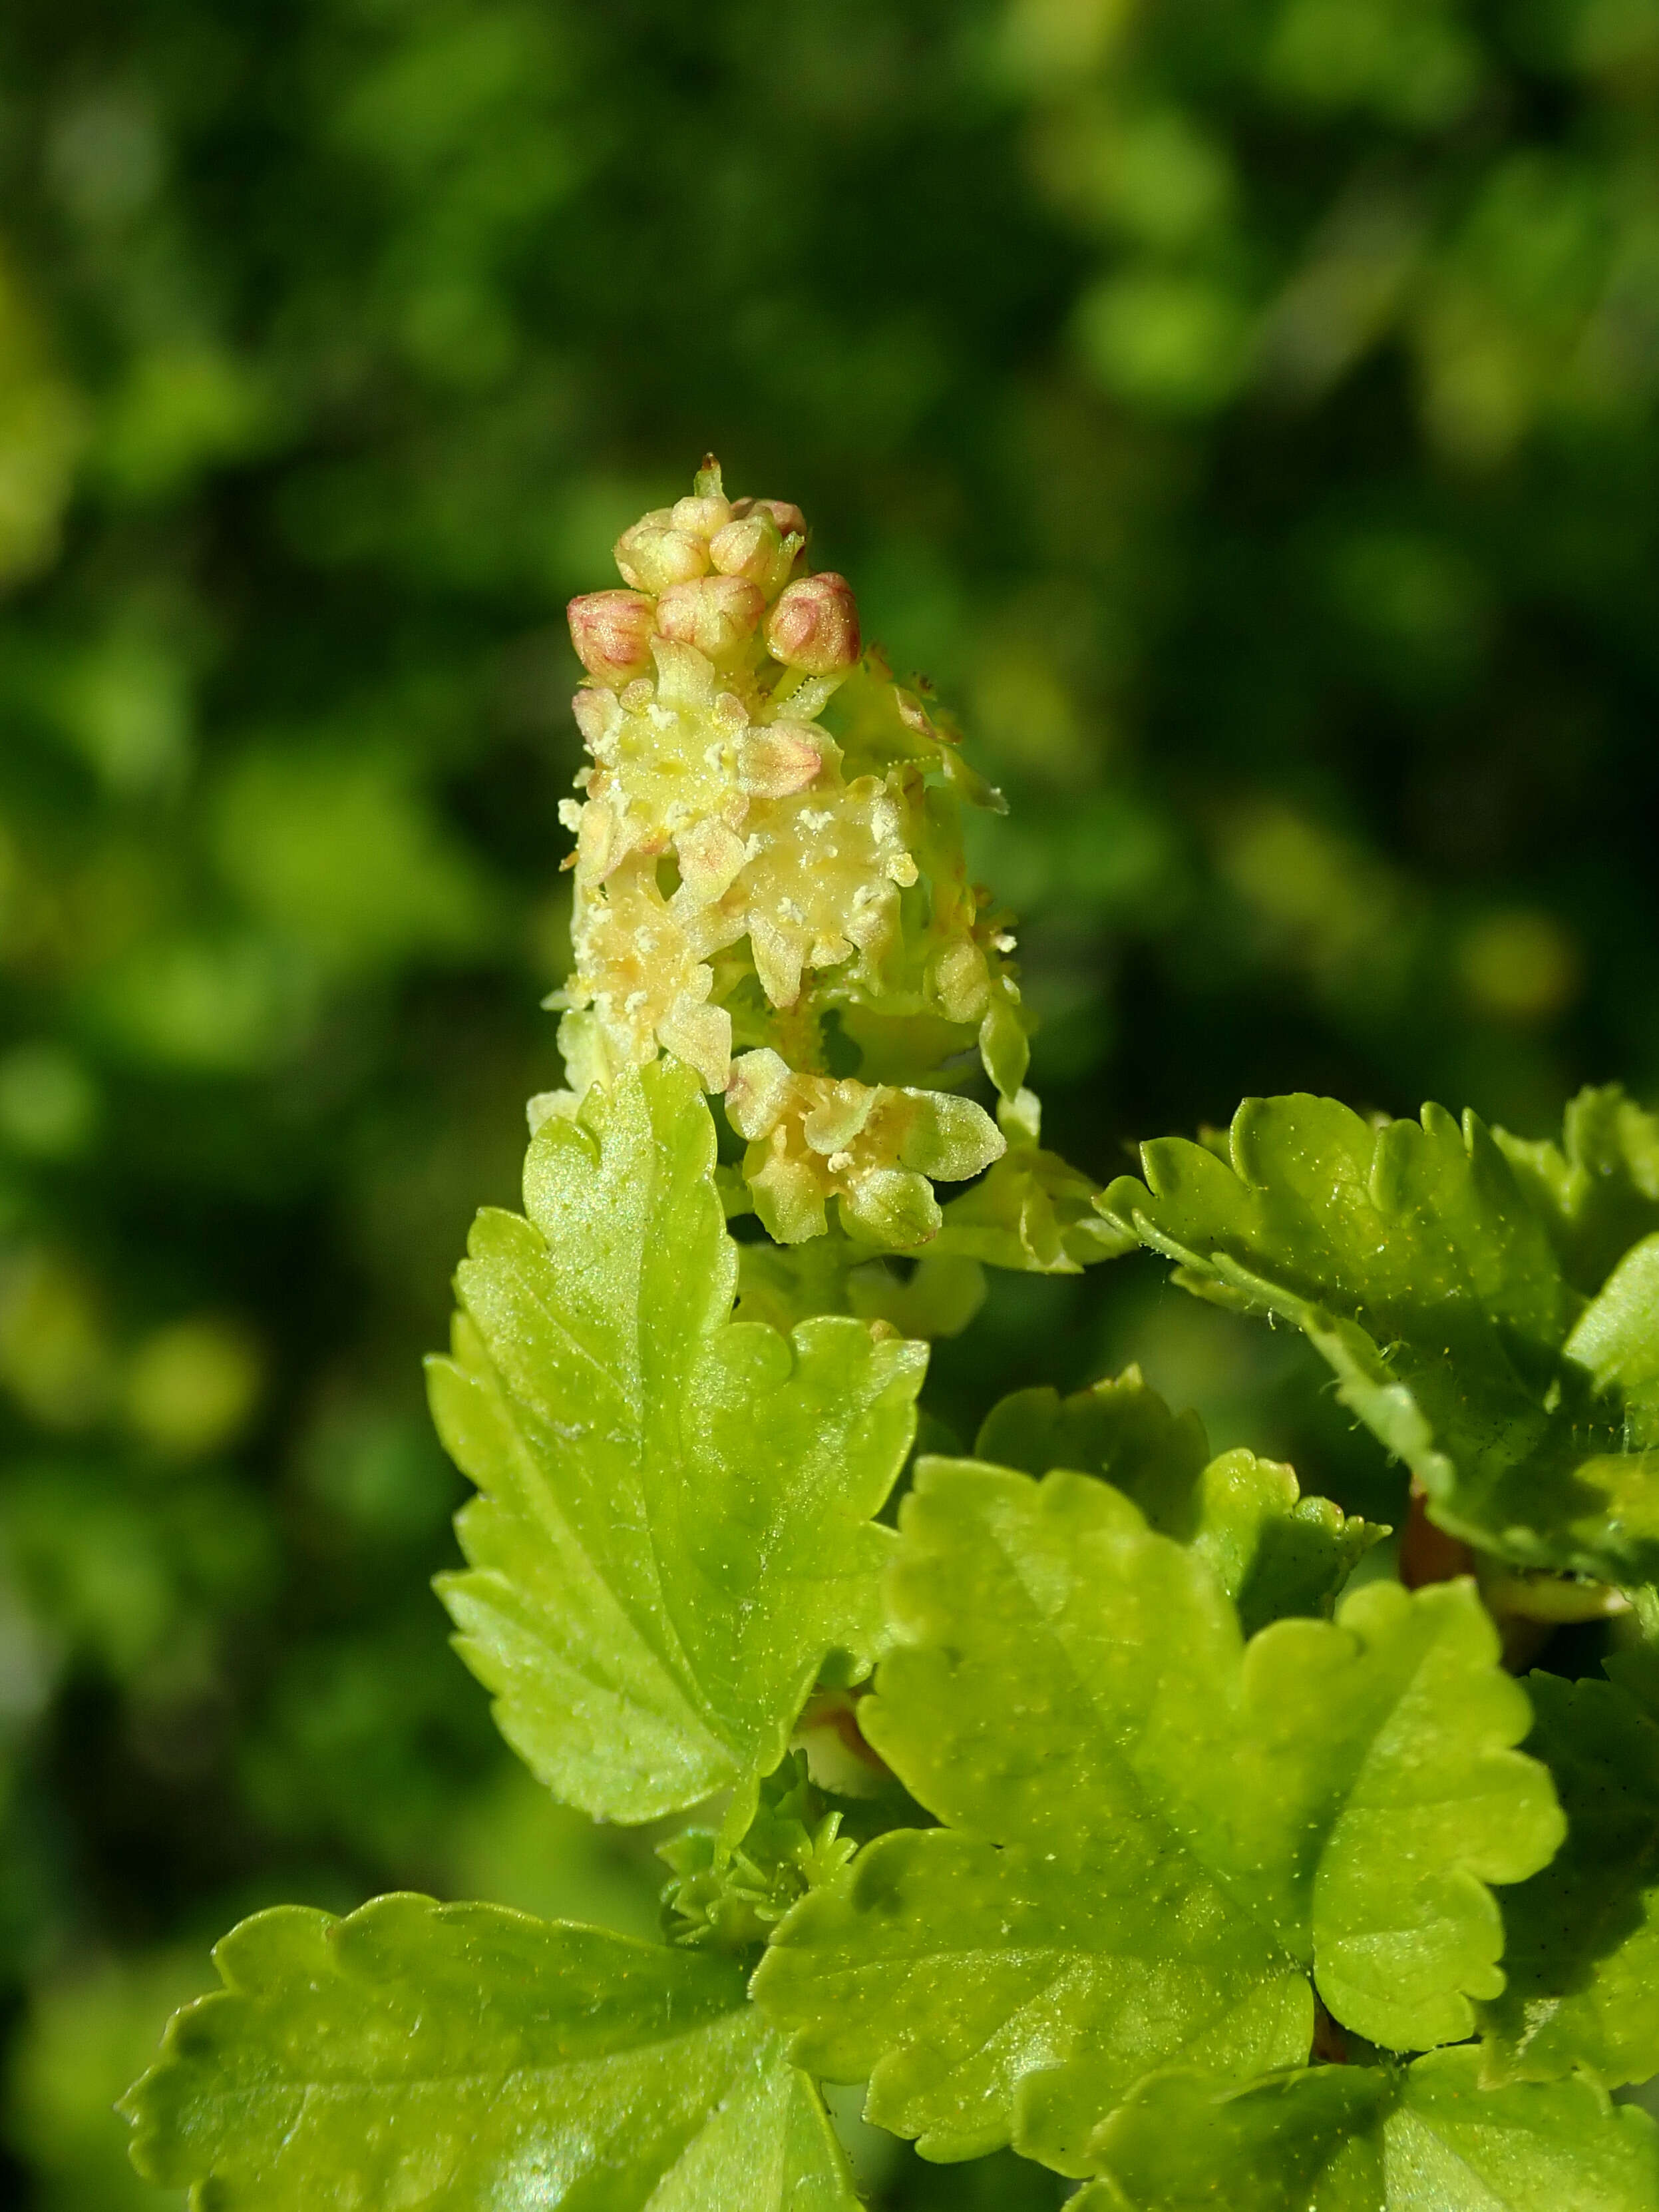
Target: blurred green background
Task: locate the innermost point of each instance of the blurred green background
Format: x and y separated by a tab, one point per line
1244	409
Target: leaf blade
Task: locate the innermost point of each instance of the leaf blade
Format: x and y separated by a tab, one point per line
1373	2139
1145	1851
1582	1959
1277	1551
673	1529
1597	1191
464	2055
1419	1268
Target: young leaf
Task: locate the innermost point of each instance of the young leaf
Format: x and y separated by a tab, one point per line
1582	1959
1300	2141
1277	1551
1597	1191
1153	1831
1415	1264
730	1895
1616	1341
1117	1428
1423	2138
466	2057
673	1525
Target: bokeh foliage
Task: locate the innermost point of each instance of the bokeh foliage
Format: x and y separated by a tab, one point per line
1245	411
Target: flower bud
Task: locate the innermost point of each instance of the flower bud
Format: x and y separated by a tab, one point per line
783	512
751	547
700	516
815	626
611	632
717	614
653	554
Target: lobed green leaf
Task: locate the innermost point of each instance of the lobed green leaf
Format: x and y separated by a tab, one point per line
673	1529
1597	1191
462	2058
1414	1263
1424	2138
1276	1552
1153	1831
1582	1958
1616	1341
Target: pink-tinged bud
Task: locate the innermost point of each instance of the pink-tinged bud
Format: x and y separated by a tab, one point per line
751	547
702	516
611	632
815	625
717	614
783	512
653	555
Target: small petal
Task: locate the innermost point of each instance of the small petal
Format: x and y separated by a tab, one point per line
701	1037
789	1202
838	1115
778	758
891	1207
778	959
709	857
596	714
949	1138
962	982
759	1091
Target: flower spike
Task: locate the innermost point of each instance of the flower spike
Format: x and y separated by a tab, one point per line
770	878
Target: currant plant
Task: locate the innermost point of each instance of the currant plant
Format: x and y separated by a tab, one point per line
1106	1798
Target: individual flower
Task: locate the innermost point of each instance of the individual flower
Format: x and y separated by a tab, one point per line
612	633
876	1149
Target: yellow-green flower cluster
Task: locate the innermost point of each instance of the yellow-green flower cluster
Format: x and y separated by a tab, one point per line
770	879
